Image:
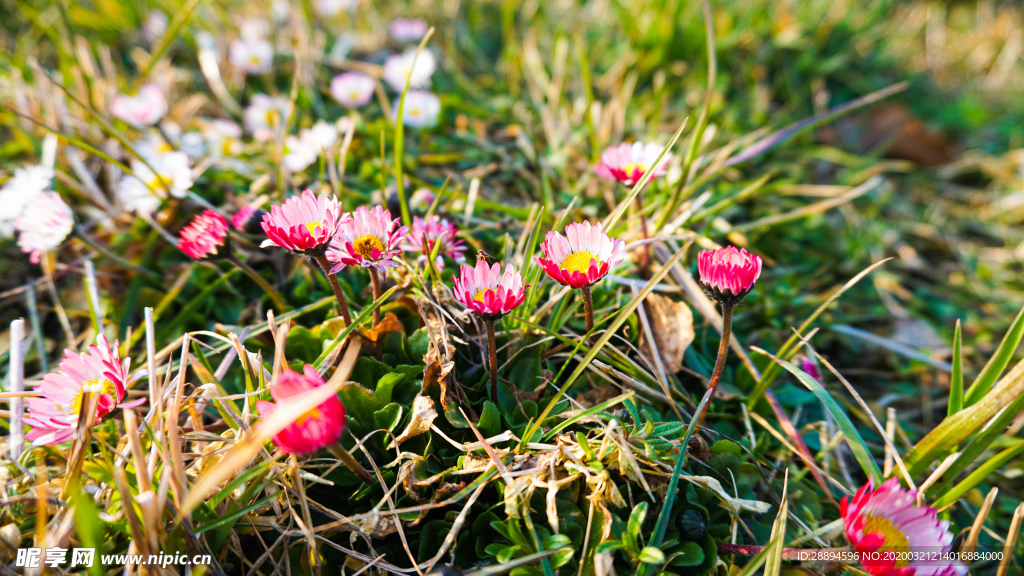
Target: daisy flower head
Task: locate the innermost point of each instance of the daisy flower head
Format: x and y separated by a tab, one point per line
332	7
304	224
581	257
206	238
299	154
264	117
53	415
251	55
144	190
352	89
627	163
421	109
369	239
888	519
431	231
44	223
144	109
318	428
488	292
399	67
27	183
728	274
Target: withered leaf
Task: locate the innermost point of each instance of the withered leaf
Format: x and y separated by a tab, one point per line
423	414
672	327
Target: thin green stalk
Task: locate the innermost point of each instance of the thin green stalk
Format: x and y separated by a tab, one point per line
723	353
338	294
588	307
375	280
351	463
492	357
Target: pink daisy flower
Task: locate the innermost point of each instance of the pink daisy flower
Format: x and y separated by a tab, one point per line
627	163
304	224
484	289
426	233
44	223
369	238
204	238
728	274
407	29
352	89
316	429
53	416
887	519
144	109
582	257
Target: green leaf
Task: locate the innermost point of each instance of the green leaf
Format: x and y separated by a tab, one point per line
388	417
989	434
609	546
773	562
982	473
651	555
490	420
636	519
958	427
89	528
998	362
853	437
689	554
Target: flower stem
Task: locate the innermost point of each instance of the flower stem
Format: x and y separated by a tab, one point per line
588	308
723	352
645	257
351	463
278	301
376	294
492	356
338	294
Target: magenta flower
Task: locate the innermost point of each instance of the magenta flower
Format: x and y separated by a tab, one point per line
728	274
352	89
428	232
582	257
304	224
887	519
487	291
369	238
144	109
53	415
205	237
44	223
627	163
318	428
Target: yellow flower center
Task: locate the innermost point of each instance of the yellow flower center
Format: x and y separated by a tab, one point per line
313	414
479	296
629	168
92	385
578	262
893	537
364	245
311	226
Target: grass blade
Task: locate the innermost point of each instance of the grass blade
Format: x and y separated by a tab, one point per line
853	437
998	362
956	380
